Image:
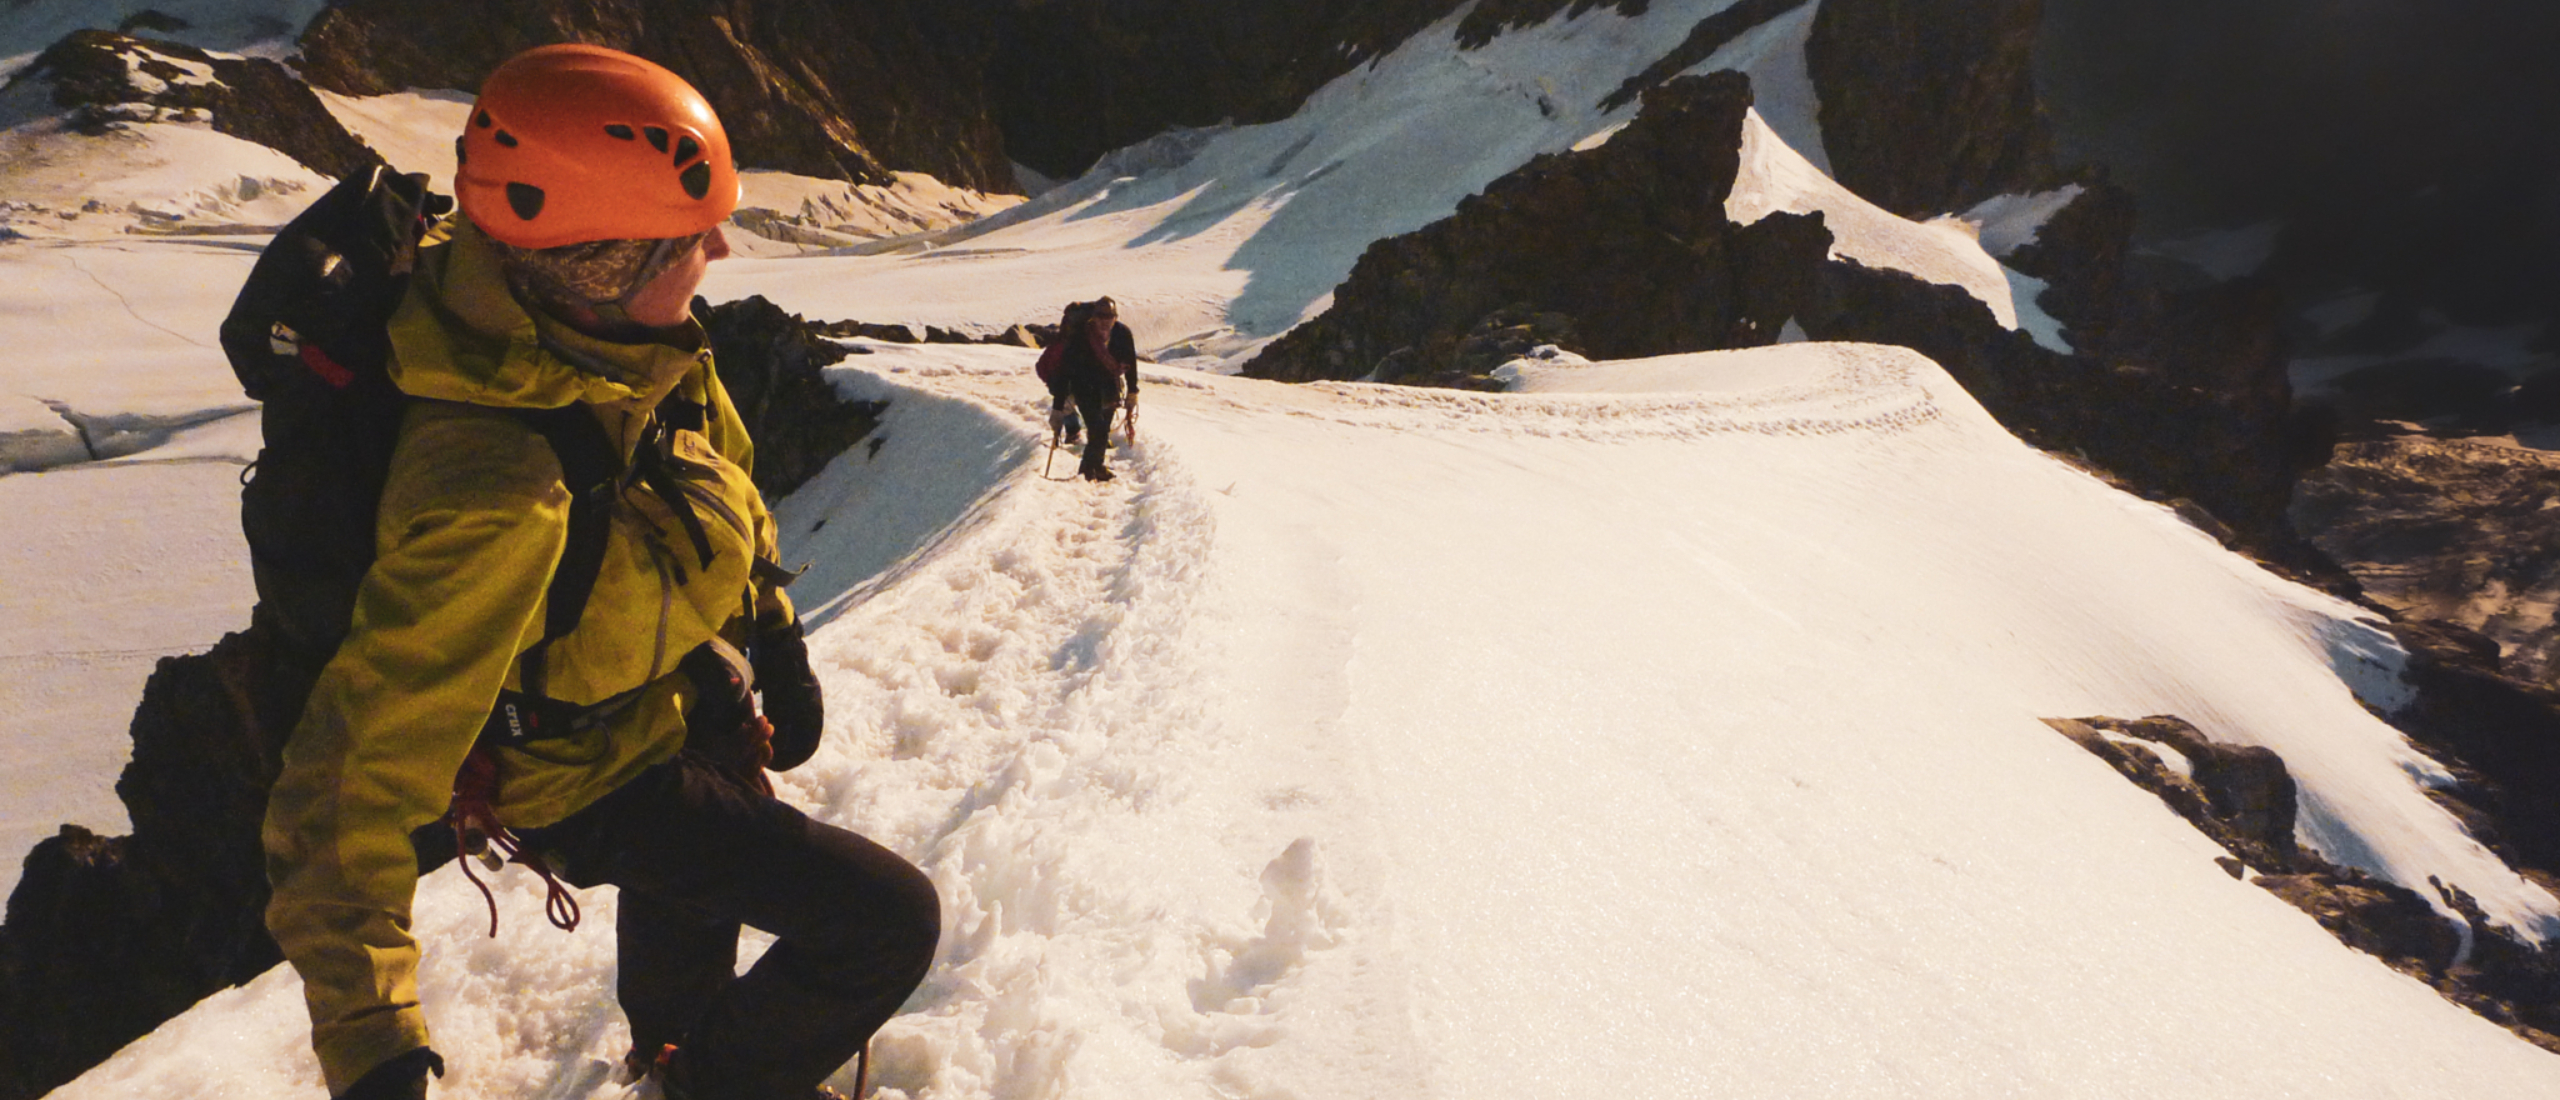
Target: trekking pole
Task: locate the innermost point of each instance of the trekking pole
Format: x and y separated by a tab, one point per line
862	1073
1133	420
1053	450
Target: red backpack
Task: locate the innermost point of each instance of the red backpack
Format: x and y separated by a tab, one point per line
1069	323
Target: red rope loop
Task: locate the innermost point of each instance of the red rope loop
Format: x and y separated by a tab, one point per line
477	831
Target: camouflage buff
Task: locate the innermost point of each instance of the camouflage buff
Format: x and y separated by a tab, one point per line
584	275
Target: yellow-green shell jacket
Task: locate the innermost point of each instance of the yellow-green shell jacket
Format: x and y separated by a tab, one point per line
473	519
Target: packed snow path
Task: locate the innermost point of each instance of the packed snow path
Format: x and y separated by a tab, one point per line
1674	742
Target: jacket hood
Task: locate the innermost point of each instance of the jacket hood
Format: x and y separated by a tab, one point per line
461	335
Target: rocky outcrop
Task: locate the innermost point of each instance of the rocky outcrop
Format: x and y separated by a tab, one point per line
108	937
2240	795
1629	241
2116	304
104	79
897	332
771	363
834	90
2449	531
2501	735
1929	106
2243	797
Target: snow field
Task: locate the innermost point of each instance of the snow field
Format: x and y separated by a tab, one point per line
103	587
1707	761
1666	729
1361	741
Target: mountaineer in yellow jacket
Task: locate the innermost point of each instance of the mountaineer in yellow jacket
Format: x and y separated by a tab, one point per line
592	189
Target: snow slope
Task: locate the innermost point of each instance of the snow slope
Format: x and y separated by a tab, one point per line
1668	728
110	566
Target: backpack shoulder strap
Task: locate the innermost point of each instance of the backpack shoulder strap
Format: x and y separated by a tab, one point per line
589	465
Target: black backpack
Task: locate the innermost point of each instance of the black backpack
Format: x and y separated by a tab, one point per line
307	337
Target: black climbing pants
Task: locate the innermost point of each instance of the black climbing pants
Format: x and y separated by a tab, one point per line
696	856
1096	404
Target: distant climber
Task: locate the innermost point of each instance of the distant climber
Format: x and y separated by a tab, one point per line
603	730
1065	426
1093	363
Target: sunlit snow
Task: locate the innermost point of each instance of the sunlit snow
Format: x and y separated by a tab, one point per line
1663	728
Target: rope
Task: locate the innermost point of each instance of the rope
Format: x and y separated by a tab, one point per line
477	832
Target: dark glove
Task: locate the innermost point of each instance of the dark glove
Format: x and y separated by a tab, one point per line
402	1078
791	698
722	727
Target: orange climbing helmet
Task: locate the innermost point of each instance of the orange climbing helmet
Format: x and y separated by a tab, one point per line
575	143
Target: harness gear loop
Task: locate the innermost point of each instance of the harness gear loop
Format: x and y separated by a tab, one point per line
478	834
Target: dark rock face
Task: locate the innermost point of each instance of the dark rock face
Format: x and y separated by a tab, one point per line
1709	35
105	79
2452	532
107	938
895	332
1929	106
2404	148
2223	338
1469	362
836	90
1074	79
2499	733
770	361
1629	241
2243	797
2240	795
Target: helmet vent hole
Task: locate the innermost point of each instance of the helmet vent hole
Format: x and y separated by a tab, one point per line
657	137
687	149
620	132
506	139
461	156
697	179
483	120
525	199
